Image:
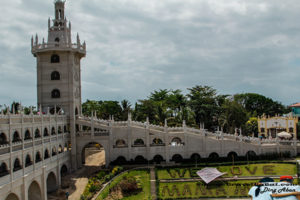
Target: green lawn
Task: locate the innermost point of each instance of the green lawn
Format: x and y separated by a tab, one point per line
267	169
144	177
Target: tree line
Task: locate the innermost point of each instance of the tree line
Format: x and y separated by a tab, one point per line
201	105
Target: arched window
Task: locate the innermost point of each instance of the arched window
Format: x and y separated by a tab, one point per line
54	58
55	75
38	157
56	39
3	169
176	142
55	93
139	142
28	161
17	165
37	133
53	131
60	149
46	132
27	135
65	129
16	137
46	155
3	139
59	130
53	151
157	141
120	143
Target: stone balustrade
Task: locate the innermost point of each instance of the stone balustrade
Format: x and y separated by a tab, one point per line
48	46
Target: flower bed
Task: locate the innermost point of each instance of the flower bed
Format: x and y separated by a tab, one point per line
96	182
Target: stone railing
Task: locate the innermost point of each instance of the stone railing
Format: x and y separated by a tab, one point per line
31	118
219	135
22	145
62	157
46	46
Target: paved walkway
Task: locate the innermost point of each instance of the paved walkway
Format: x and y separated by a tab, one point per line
153	183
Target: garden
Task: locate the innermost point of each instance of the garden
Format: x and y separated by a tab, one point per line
182	181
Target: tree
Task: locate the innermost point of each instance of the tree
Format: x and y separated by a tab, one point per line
126	108
259	104
233	116
104	109
251	126
202	101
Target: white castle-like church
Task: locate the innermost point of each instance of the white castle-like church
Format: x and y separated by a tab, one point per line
37	150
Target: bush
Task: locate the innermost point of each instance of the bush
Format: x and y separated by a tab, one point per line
101	174
129	186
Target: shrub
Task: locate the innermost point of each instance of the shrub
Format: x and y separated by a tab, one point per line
129	186
100	175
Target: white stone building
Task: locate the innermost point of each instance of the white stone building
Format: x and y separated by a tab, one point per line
36	150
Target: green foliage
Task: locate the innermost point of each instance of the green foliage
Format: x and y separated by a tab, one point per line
164	104
142	178
202	101
105	109
233	115
258	105
95	183
251	126
202	104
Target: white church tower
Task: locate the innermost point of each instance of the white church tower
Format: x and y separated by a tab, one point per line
58	70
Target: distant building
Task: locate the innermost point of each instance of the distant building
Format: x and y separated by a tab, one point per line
271	126
295	109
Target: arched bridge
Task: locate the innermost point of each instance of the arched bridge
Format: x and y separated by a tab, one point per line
134	141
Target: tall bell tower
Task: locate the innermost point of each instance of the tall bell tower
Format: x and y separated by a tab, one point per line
58	70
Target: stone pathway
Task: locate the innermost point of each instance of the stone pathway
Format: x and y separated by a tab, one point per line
153	183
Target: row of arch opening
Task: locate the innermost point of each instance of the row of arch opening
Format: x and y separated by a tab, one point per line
176	141
29	160
16	137
34	190
177	158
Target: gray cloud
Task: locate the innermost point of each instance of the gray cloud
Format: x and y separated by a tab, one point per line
135	47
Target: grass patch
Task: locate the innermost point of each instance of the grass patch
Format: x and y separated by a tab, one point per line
267	169
217	189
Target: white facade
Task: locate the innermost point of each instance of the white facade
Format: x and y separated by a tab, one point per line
27	171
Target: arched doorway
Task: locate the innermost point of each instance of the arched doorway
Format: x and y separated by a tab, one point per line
93	154
177	158
251	155
232	156
121	160
195	157
63	171
213	157
158	159
51	183
140	160
34	191
12	196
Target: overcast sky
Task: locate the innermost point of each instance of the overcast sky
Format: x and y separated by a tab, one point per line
137	46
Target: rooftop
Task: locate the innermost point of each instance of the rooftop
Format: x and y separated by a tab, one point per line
295	105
